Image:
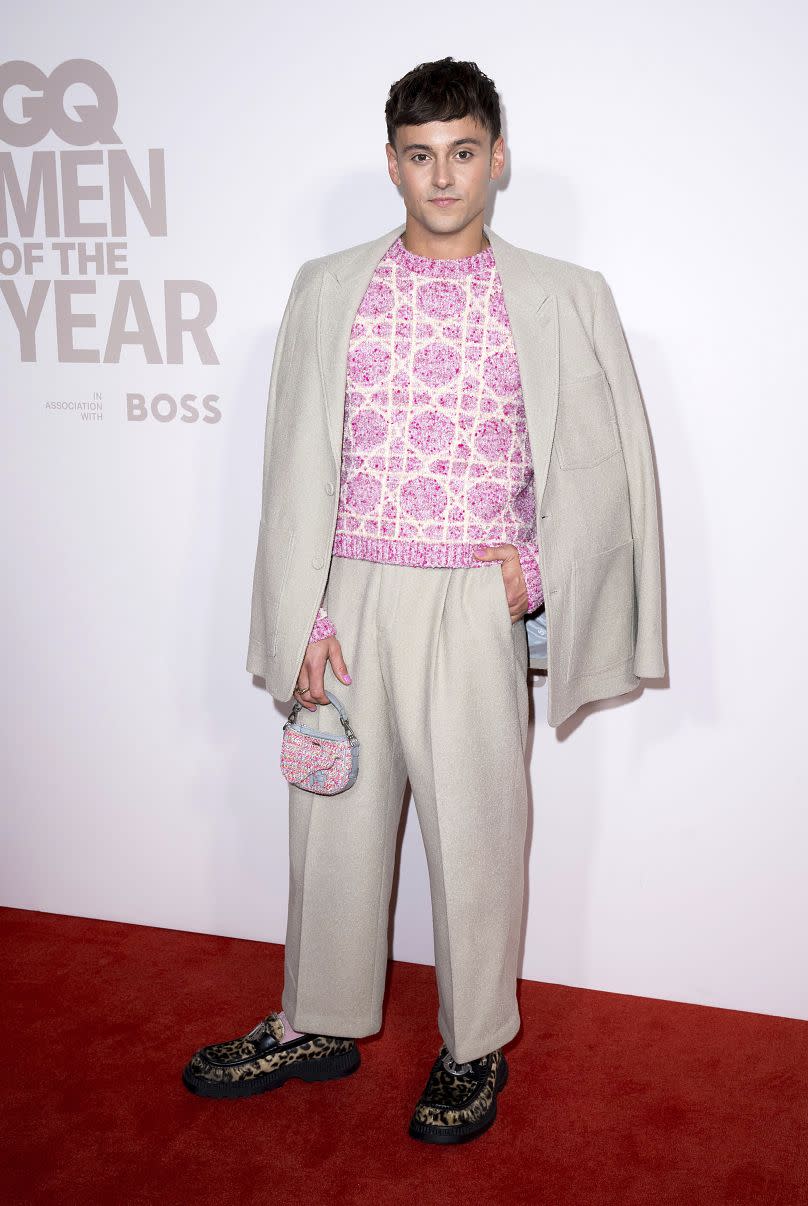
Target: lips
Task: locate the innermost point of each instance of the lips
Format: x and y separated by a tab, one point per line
443	201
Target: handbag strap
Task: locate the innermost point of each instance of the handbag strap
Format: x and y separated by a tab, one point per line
343	715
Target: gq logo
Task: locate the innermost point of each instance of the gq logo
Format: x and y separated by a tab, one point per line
76	274
44	108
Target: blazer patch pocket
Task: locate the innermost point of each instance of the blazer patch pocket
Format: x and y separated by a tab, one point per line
586	428
603	622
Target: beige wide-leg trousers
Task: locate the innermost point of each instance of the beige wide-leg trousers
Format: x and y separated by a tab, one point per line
439	695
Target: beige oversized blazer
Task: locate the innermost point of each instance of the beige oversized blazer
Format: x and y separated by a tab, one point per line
594	479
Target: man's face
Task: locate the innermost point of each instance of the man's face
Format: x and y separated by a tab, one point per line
445	159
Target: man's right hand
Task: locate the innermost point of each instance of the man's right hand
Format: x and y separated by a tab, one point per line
310	689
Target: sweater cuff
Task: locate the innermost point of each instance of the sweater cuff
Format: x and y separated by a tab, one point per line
323	627
529	561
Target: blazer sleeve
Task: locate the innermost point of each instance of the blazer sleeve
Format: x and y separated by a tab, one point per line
272	408
613	355
258	656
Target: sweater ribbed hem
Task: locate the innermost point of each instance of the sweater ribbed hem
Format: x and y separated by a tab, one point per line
430	554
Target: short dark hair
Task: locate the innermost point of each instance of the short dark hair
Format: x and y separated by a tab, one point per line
445	90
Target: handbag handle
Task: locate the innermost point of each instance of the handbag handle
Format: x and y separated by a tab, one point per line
343	715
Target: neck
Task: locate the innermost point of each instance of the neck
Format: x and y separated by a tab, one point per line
461	245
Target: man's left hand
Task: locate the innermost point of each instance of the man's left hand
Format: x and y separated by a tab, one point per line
512	576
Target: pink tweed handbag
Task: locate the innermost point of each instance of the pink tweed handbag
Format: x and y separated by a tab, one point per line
325	763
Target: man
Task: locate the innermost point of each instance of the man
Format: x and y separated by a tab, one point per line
454	431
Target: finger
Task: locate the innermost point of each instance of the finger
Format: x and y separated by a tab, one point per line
517	607
495	552
339	667
308	677
301	695
317	686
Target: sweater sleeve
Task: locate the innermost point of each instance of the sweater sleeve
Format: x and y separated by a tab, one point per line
529	561
323	625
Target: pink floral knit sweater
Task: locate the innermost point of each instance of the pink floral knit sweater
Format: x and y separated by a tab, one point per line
435	452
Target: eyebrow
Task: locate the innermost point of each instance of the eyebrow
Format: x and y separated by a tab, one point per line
424	146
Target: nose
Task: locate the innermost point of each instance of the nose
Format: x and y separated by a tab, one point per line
442	174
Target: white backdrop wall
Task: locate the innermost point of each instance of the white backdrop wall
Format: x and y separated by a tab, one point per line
657	143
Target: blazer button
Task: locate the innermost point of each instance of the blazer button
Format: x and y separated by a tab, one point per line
329	487
317	562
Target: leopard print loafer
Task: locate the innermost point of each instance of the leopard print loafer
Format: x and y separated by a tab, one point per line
460	1100
260	1061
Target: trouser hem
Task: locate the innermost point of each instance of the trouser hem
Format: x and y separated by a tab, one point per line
335	1026
498	1038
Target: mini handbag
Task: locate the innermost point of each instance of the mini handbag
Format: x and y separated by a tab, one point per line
325	763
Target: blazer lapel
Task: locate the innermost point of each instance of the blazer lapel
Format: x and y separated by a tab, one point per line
342	290
533	314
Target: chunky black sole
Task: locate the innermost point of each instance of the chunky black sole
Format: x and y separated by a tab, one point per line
328	1068
430	1133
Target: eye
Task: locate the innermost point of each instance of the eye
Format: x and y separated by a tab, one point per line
419	155
471	153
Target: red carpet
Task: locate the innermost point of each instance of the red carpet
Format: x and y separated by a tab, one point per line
611	1099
